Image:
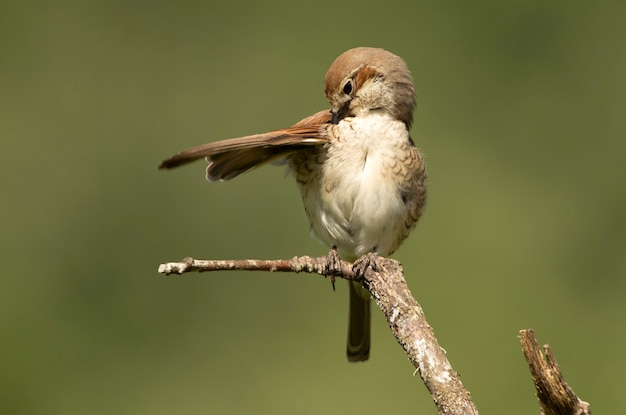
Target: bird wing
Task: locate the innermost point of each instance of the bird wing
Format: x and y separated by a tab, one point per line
229	158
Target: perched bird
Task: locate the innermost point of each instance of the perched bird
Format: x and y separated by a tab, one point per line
361	177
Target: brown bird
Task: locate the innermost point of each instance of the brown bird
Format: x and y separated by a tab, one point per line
362	180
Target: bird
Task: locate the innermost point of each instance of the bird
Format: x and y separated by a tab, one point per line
361	177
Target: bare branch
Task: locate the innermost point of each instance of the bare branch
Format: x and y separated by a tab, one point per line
296	264
384	279
554	394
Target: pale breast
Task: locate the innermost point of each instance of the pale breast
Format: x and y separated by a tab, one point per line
360	190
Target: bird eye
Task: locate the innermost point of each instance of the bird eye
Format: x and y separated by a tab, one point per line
347	88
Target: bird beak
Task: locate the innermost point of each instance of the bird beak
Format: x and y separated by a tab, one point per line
338	114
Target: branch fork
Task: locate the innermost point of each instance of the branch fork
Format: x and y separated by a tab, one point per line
384	279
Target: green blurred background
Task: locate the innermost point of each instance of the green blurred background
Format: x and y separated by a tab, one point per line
521	113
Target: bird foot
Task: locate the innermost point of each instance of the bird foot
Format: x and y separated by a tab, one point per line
369	260
333	265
